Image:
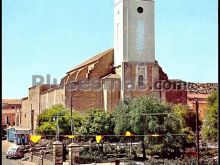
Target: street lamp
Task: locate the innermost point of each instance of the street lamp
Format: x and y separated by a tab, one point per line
32	120
71	105
129	88
55	118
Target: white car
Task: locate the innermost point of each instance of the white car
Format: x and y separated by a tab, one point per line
15	152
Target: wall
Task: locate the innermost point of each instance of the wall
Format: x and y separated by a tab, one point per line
34	99
126	31
10	114
111	92
202	99
87	92
25	114
84	100
131	73
9	107
176	96
37	160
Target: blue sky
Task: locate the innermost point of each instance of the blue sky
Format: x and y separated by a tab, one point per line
43	37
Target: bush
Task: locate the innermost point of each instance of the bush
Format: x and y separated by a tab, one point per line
91	154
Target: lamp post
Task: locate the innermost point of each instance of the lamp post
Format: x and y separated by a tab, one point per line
71	105
197	129
129	89
57	132
32	120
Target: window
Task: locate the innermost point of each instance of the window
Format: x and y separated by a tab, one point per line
140	80
140	9
140	36
117	41
8	120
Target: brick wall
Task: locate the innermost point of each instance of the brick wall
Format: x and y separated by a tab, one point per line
84	99
202	99
176	96
130	75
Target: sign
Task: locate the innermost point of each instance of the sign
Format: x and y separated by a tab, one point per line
71	136
35	138
98	138
127	133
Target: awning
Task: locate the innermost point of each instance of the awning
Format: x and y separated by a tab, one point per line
22	132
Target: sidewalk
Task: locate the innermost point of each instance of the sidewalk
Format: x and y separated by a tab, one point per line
26	163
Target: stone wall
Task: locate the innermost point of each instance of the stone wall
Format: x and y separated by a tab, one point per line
37	160
25	114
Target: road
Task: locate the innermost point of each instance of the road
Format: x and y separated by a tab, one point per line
10	161
5	146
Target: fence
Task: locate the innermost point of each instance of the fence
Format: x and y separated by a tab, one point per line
109	152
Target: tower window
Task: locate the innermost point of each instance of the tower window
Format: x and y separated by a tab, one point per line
140	36
140	80
140	9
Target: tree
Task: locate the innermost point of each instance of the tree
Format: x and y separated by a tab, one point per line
187	119
48	126
97	122
138	116
186	116
209	128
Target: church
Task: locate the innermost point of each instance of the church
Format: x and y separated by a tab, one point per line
127	71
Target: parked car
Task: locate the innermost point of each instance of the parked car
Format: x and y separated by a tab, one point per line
15	152
4	137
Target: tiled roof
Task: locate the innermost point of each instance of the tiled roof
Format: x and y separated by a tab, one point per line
202	88
91	60
11	101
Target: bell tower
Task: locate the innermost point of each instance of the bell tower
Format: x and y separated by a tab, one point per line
134	46
134	39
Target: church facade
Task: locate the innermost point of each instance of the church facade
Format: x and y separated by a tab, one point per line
128	70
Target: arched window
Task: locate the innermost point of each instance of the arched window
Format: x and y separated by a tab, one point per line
140	80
